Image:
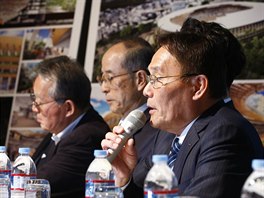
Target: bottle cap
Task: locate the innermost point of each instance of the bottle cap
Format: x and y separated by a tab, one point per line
257	163
2	148
23	150
159	158
100	153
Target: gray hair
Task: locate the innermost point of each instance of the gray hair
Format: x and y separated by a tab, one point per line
70	80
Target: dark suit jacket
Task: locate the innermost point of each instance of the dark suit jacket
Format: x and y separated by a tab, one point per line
145	139
65	169
215	157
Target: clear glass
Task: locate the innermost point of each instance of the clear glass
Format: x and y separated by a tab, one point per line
4	186
187	197
37	188
108	192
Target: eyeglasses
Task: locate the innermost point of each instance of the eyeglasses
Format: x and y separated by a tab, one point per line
106	78
38	104
156	82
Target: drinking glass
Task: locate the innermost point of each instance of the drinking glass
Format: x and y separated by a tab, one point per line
37	188
4	186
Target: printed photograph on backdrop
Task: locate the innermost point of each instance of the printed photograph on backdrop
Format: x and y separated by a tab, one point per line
22	115
23	13
46	43
119	19
26	77
248	98
10	47
101	106
24	138
45	29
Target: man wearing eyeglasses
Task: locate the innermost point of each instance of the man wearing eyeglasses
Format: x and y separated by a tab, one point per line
187	84
61	102
123	78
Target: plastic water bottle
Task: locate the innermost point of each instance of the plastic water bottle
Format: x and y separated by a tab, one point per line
160	181
24	169
5	173
98	174
254	185
5	164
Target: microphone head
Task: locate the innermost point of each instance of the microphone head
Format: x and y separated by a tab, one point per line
135	120
132	123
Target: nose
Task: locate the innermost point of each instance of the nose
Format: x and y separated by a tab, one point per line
104	87
34	108
148	91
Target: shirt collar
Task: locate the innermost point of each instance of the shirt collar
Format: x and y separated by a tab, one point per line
57	137
185	131
227	99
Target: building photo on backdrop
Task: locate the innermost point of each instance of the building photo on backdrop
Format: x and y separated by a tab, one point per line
117	19
32	30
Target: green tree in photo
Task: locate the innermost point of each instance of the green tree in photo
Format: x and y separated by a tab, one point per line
254	50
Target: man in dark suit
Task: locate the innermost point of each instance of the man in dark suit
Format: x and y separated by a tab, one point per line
61	101
185	93
235	62
123	78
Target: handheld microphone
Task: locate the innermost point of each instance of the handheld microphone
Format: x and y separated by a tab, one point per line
135	120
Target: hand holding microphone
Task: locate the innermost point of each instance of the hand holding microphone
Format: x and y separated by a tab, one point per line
135	120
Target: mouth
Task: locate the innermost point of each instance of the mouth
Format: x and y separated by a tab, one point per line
151	110
109	100
38	119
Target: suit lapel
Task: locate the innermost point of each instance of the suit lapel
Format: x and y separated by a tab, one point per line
193	137
42	147
190	141
51	150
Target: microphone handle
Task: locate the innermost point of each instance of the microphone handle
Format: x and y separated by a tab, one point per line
113	153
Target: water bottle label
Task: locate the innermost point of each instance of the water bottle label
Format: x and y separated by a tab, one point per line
92	184
5	172
161	193
18	181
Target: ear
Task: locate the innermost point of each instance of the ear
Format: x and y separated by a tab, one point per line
200	86
70	108
141	80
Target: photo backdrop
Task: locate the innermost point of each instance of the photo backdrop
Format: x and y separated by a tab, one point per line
30	31
112	20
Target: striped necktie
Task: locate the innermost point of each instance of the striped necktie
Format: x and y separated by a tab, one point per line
174	152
